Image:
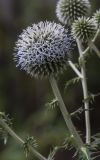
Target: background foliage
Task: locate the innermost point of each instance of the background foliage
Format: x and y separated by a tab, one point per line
24	98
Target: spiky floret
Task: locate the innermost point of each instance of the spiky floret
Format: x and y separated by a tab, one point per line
84	29
43	49
69	10
96	17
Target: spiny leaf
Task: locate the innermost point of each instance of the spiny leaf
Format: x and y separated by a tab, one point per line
54	103
85	155
3	135
69	142
95	144
94	95
29	141
6	118
3	132
94	147
91	97
77	112
71	82
52	153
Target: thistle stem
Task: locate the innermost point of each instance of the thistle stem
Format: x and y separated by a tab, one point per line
85	93
65	113
75	69
19	140
94	39
93	47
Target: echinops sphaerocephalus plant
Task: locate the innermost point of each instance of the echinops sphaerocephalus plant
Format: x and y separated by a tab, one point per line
44	50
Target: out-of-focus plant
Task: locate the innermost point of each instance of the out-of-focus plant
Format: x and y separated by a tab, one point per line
44	50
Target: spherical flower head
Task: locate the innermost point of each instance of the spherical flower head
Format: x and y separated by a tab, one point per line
84	29
96	17
69	10
43	49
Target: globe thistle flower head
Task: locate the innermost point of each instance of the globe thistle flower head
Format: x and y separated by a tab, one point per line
69	10
96	17
84	29
43	49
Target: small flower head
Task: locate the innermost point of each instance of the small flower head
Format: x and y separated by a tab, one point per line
84	29
96	17
43	49
69	10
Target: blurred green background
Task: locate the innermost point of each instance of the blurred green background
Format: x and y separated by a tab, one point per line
24	98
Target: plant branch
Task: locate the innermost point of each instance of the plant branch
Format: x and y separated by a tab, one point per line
85	93
68	121
93	47
65	113
94	39
75	69
19	140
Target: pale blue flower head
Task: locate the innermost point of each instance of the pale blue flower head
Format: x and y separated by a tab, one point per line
43	49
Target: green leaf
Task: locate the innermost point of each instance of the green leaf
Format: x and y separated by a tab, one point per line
51	105
52	153
83	153
72	82
77	112
3	132
69	142
29	141
91	97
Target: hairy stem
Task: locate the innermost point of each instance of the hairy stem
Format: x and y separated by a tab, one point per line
19	140
85	93
65	113
96	35
93	47
75	69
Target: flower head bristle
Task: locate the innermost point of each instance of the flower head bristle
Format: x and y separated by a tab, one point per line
84	29
43	49
69	10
